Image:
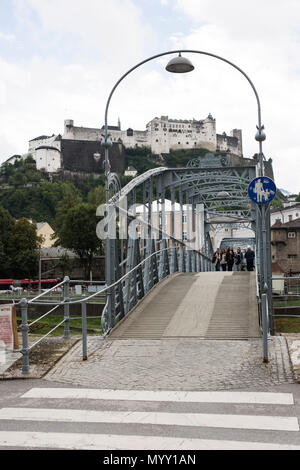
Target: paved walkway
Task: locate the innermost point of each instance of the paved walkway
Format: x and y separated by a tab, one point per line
192	332
175	364
214	305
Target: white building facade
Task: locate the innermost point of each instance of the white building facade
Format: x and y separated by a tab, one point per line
161	135
285	214
164	134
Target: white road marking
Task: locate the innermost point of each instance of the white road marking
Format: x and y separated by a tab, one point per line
170	396
120	442
269	423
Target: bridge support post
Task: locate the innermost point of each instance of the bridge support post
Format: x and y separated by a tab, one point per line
181	250
25	329
269	269
66	290
173	267
265	326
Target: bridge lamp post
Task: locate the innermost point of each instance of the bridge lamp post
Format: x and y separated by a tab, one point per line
178	64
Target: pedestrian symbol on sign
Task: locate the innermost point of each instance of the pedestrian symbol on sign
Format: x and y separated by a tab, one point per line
262	190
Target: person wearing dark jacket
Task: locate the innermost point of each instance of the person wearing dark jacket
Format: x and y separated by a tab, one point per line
250	255
239	259
230	258
216	259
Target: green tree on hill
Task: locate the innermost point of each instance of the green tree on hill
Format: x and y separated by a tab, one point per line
78	233
6	226
97	196
71	198
22	250
19	245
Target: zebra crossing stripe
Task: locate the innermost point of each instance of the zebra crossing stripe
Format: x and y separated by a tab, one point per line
77	441
170	396
268	423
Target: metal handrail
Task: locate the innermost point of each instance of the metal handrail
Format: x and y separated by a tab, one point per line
43	316
47	292
47	334
111	286
284	278
67	302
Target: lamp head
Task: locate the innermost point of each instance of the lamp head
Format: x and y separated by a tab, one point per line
260	135
179	65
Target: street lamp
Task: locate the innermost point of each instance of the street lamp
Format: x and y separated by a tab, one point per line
178	64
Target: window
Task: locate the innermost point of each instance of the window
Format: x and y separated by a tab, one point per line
292	256
291	234
184	236
290	218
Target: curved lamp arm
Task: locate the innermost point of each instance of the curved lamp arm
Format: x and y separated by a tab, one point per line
260	136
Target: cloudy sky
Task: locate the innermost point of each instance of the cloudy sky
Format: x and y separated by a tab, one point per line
60	58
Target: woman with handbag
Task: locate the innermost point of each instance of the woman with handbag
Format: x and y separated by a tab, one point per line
223	261
239	259
216	259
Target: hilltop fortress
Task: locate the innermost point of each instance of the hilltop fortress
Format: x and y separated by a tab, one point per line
164	134
79	149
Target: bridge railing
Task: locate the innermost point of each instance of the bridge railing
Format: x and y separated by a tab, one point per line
126	292
286	296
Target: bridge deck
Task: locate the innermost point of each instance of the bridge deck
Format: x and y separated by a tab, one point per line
213	305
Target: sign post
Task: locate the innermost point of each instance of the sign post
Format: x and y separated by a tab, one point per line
8	327
262	191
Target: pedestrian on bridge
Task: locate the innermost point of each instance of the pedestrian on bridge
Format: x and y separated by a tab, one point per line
250	255
230	258
223	261
239	259
217	259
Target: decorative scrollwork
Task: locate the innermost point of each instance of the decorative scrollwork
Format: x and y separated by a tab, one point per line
114	185
104	319
209	161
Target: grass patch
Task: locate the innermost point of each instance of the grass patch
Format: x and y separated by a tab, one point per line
46	324
287	325
287	303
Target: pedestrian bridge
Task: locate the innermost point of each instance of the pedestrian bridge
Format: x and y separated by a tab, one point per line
207	305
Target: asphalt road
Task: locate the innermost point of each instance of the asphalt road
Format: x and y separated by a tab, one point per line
38	414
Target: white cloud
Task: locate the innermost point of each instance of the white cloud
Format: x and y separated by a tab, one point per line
7	37
260	37
263	39
114	28
38	93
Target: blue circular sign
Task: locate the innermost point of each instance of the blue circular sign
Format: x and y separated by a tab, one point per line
262	190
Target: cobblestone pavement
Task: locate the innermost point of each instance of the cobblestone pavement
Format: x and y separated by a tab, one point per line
175	364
